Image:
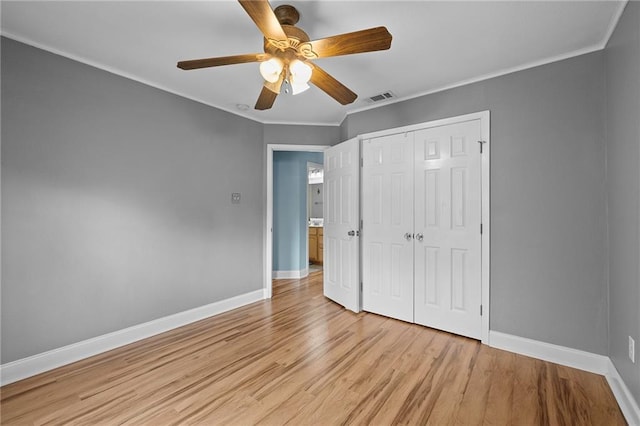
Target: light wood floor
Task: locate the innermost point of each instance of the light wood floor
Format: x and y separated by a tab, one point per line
300	359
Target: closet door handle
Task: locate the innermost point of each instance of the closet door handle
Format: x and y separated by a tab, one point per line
419	237
408	236
351	233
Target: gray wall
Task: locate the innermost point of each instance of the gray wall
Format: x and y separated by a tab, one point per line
301	135
116	210
548	228
116	203
623	189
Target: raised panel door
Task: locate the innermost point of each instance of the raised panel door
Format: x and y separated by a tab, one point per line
387	226
342	215
447	226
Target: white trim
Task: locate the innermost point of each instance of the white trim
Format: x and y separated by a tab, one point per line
627	403
569	357
562	355
365	107
268	229
489	76
485	261
149	83
36	364
279	275
426	125
485	130
120	73
483	77
506	71
593	48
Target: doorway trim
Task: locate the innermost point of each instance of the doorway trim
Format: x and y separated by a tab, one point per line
268	229
485	126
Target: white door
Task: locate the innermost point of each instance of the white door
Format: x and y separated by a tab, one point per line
387	226
447	228
341	224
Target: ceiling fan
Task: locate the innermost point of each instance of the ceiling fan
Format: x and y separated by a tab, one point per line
288	53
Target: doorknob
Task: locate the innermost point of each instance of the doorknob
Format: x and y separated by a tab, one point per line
419	237
408	236
351	233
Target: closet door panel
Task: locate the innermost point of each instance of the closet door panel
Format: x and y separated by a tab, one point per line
387	228
447	226
339	238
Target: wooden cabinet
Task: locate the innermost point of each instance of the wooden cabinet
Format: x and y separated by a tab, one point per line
320	246
315	244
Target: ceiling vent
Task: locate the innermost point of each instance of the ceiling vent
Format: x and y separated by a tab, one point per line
381	97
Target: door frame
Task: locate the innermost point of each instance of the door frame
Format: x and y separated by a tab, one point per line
267	287
485	262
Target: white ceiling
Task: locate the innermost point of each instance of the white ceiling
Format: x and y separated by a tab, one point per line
435	44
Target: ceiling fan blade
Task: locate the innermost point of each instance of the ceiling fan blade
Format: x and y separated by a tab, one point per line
265	20
356	42
223	60
331	86
266	99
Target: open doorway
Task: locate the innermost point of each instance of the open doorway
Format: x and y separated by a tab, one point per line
315	215
270	226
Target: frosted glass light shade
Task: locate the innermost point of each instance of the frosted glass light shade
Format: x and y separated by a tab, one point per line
271	69
300	72
298	88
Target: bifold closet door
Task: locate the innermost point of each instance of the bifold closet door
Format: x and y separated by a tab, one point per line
387	226
341	242
447	228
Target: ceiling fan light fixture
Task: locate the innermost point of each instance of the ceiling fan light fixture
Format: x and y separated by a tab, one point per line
271	69
300	72
297	88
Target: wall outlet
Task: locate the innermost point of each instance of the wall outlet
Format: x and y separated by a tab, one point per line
632	349
235	198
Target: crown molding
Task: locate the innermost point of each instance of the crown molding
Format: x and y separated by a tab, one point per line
593	48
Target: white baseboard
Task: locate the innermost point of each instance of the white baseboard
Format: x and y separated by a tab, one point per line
279	275
627	403
594	363
27	367
36	364
562	355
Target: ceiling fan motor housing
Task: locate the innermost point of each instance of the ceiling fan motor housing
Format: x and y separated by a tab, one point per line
297	45
287	14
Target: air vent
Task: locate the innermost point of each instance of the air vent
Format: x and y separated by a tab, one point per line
381	97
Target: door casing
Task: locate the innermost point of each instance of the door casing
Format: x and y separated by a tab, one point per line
268	228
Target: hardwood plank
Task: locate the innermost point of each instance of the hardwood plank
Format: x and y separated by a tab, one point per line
301	359
526	405
500	399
